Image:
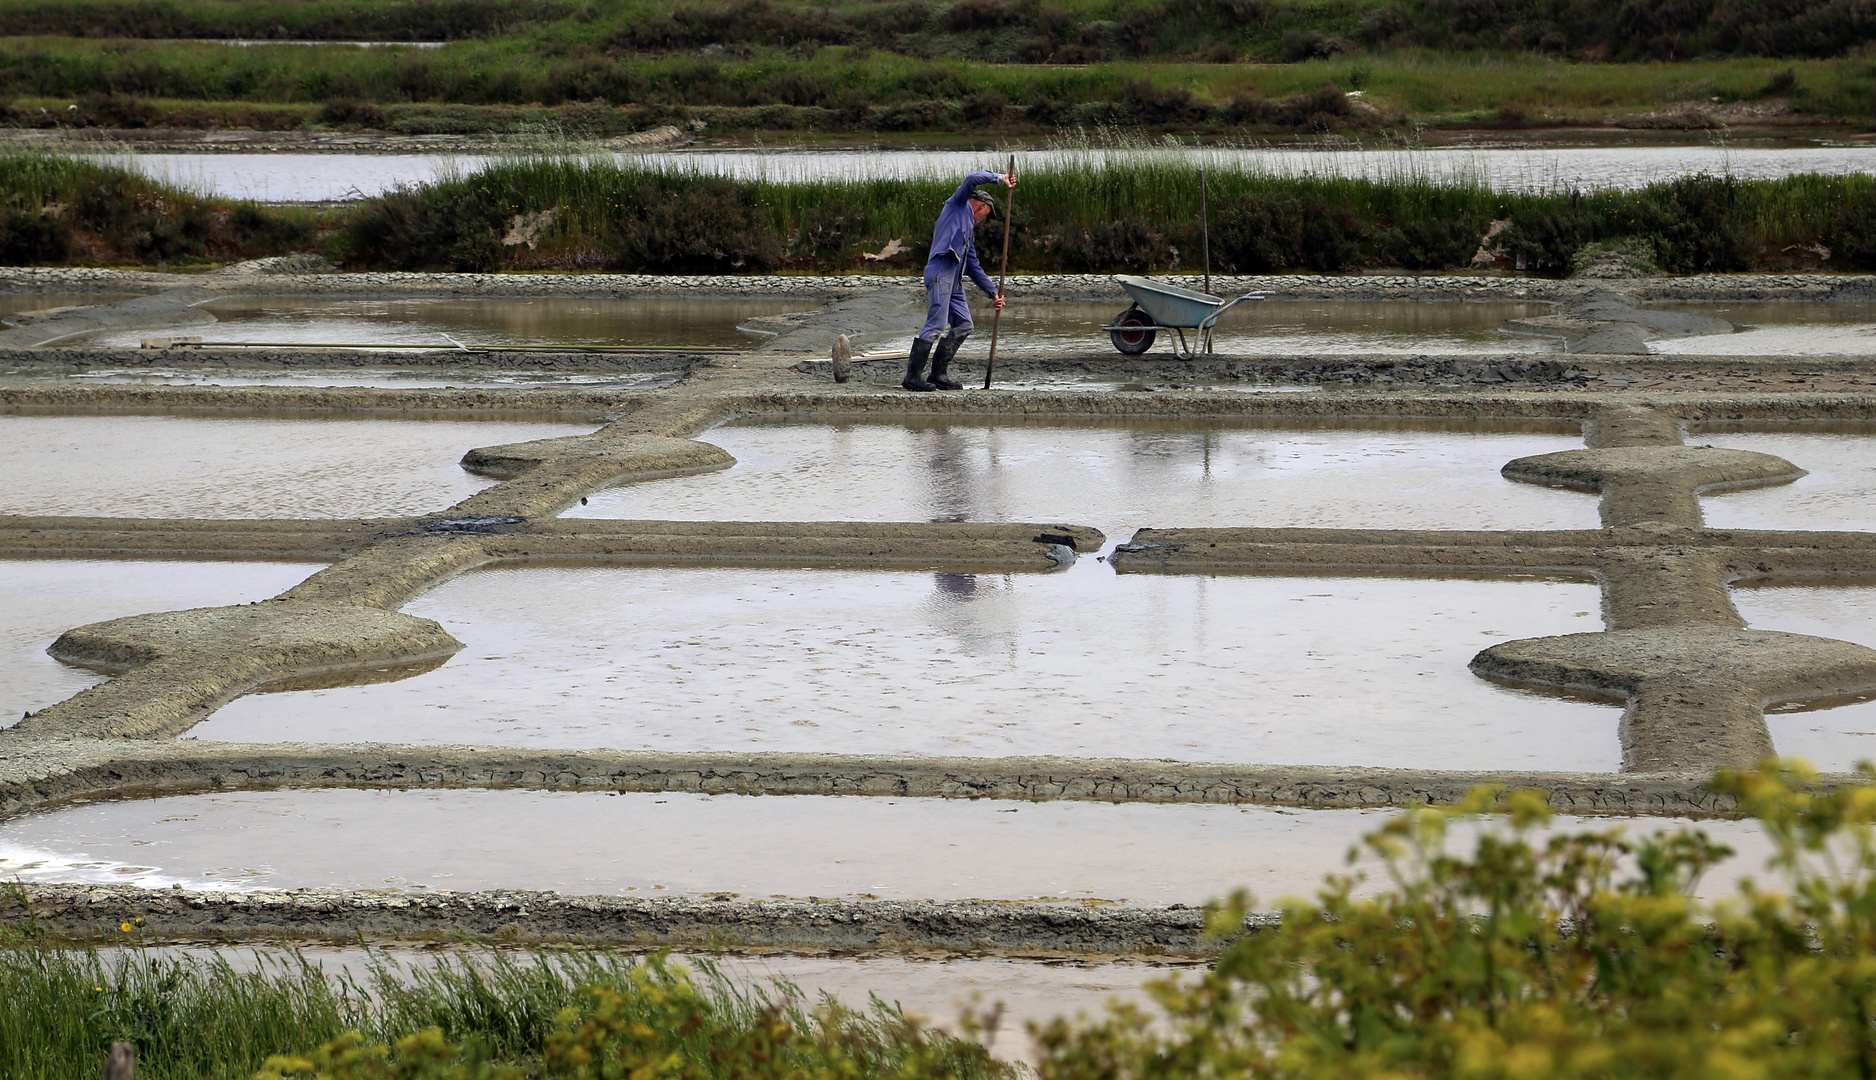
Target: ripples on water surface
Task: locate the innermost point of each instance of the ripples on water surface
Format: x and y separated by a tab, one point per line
1278	327
330	177
674	843
1261	328
1839	491
1087	663
497	321
1118	476
166	466
46	597
1836	738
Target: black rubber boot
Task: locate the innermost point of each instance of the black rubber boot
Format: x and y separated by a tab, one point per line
915	367
941	362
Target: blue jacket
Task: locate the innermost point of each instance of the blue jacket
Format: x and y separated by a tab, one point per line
956	234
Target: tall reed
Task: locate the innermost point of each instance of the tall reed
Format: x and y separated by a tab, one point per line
1092	205
196	1016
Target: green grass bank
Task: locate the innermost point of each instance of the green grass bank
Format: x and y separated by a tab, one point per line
59	210
1135	212
1086	212
492	85
1006	31
195	1017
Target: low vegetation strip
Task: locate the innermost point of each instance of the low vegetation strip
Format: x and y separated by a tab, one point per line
1088	213
1491	947
1009	31
497	84
481	1014
59	210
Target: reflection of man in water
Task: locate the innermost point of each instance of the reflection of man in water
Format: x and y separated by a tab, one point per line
953	257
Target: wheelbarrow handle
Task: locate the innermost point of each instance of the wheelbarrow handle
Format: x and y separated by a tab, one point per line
1212	320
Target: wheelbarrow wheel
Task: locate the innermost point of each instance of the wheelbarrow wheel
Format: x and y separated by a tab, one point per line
1133	342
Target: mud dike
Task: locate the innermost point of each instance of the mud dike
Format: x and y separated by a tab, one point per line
1693	679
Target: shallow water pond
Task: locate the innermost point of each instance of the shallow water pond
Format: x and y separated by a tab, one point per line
1267	328
1333	671
1779	328
1836	737
674	843
46	597
166	466
1839	492
1117	476
445	322
410	378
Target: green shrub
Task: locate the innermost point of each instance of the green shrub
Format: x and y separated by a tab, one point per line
1127	244
1544	958
1548	236
1283	230
351	111
831	232
28	237
447	227
1694	223
708	227
1432	244
1853	232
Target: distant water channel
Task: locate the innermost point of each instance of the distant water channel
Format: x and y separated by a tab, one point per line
339	177
1276	327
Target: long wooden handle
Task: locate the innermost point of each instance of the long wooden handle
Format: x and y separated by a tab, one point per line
1003	271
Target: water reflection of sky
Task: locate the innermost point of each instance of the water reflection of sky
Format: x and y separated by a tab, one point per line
1117	477
1274	327
1082	663
330	177
46	597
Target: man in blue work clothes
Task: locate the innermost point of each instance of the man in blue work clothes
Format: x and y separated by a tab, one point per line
953	256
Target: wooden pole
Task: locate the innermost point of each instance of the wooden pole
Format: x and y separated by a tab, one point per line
1205	243
996	319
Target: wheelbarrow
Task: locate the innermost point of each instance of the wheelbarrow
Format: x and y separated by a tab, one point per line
1158	306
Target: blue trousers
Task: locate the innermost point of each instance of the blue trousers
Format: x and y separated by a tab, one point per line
944	288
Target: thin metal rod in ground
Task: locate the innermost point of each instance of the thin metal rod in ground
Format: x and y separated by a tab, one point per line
1003	271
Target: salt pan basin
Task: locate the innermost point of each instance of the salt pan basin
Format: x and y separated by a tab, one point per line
1839	493
45	598
1118	476
393	378
1087	663
166	466
674	843
1833	734
1779	328
552	320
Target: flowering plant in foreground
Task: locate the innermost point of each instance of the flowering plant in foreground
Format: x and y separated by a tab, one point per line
1579	955
1521	952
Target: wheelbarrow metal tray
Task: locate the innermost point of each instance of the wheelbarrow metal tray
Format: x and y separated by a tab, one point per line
1169	305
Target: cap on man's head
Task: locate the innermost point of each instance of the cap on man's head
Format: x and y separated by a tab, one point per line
984	197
